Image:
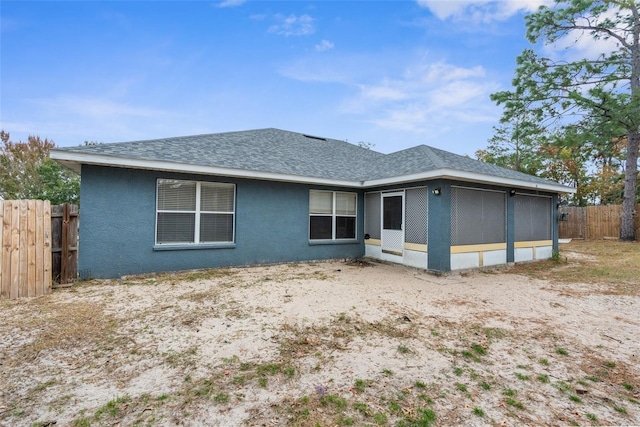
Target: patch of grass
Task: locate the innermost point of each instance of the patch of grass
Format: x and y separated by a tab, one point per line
458	371
268	369
479	350
81	422
478	411
495	333
424	418
592	417
610	364
333	400
575	398
380	418
403	349
221	398
361	407
262	382
360	385
620	409
522	377
627	386
515	403
394	407
611	263
543	378
204	389
113	408
634	401
239	380
461	387
426	399
509	392
485	385
419	384
387	372
289	371
543	361
562	351
562	386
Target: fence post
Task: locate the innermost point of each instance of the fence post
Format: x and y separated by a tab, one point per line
64	257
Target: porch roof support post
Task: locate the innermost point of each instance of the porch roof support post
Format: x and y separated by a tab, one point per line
439	220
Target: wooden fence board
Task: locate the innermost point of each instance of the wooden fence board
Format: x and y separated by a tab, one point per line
47	247
594	222
23	289
5	248
15	250
40	248
25	248
31	248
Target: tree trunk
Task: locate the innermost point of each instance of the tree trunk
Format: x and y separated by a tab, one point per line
627	225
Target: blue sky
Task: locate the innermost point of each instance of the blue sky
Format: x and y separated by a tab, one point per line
394	74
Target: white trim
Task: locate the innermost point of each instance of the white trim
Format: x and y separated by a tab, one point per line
453	174
73	160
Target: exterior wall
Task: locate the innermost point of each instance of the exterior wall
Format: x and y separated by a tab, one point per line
118	216
474	256
532	251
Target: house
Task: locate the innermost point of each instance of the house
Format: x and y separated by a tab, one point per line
271	196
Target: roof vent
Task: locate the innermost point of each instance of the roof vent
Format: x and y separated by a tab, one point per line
319	138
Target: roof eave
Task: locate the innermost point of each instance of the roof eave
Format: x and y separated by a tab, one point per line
73	160
446	173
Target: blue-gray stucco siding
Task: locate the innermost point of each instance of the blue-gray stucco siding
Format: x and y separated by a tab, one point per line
118	217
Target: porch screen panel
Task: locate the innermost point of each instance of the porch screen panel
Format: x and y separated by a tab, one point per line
415	216
372	215
533	216
477	217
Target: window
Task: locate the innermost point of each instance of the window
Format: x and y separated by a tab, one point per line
372	215
478	216
416	209
194	212
332	215
533	218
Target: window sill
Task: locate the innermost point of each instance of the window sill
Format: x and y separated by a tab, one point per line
193	246
333	242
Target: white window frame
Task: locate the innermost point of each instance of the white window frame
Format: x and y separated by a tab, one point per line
334	216
197	212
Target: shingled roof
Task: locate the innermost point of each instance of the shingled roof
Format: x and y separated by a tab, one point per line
290	156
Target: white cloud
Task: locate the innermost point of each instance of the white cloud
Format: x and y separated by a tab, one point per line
293	25
425	97
95	108
411	95
481	10
324	45
230	3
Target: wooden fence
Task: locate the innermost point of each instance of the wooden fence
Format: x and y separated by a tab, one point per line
64	245
25	242
594	222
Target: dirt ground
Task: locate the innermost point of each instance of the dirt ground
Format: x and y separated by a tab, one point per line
329	343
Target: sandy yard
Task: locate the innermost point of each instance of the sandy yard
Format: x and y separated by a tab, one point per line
329	343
